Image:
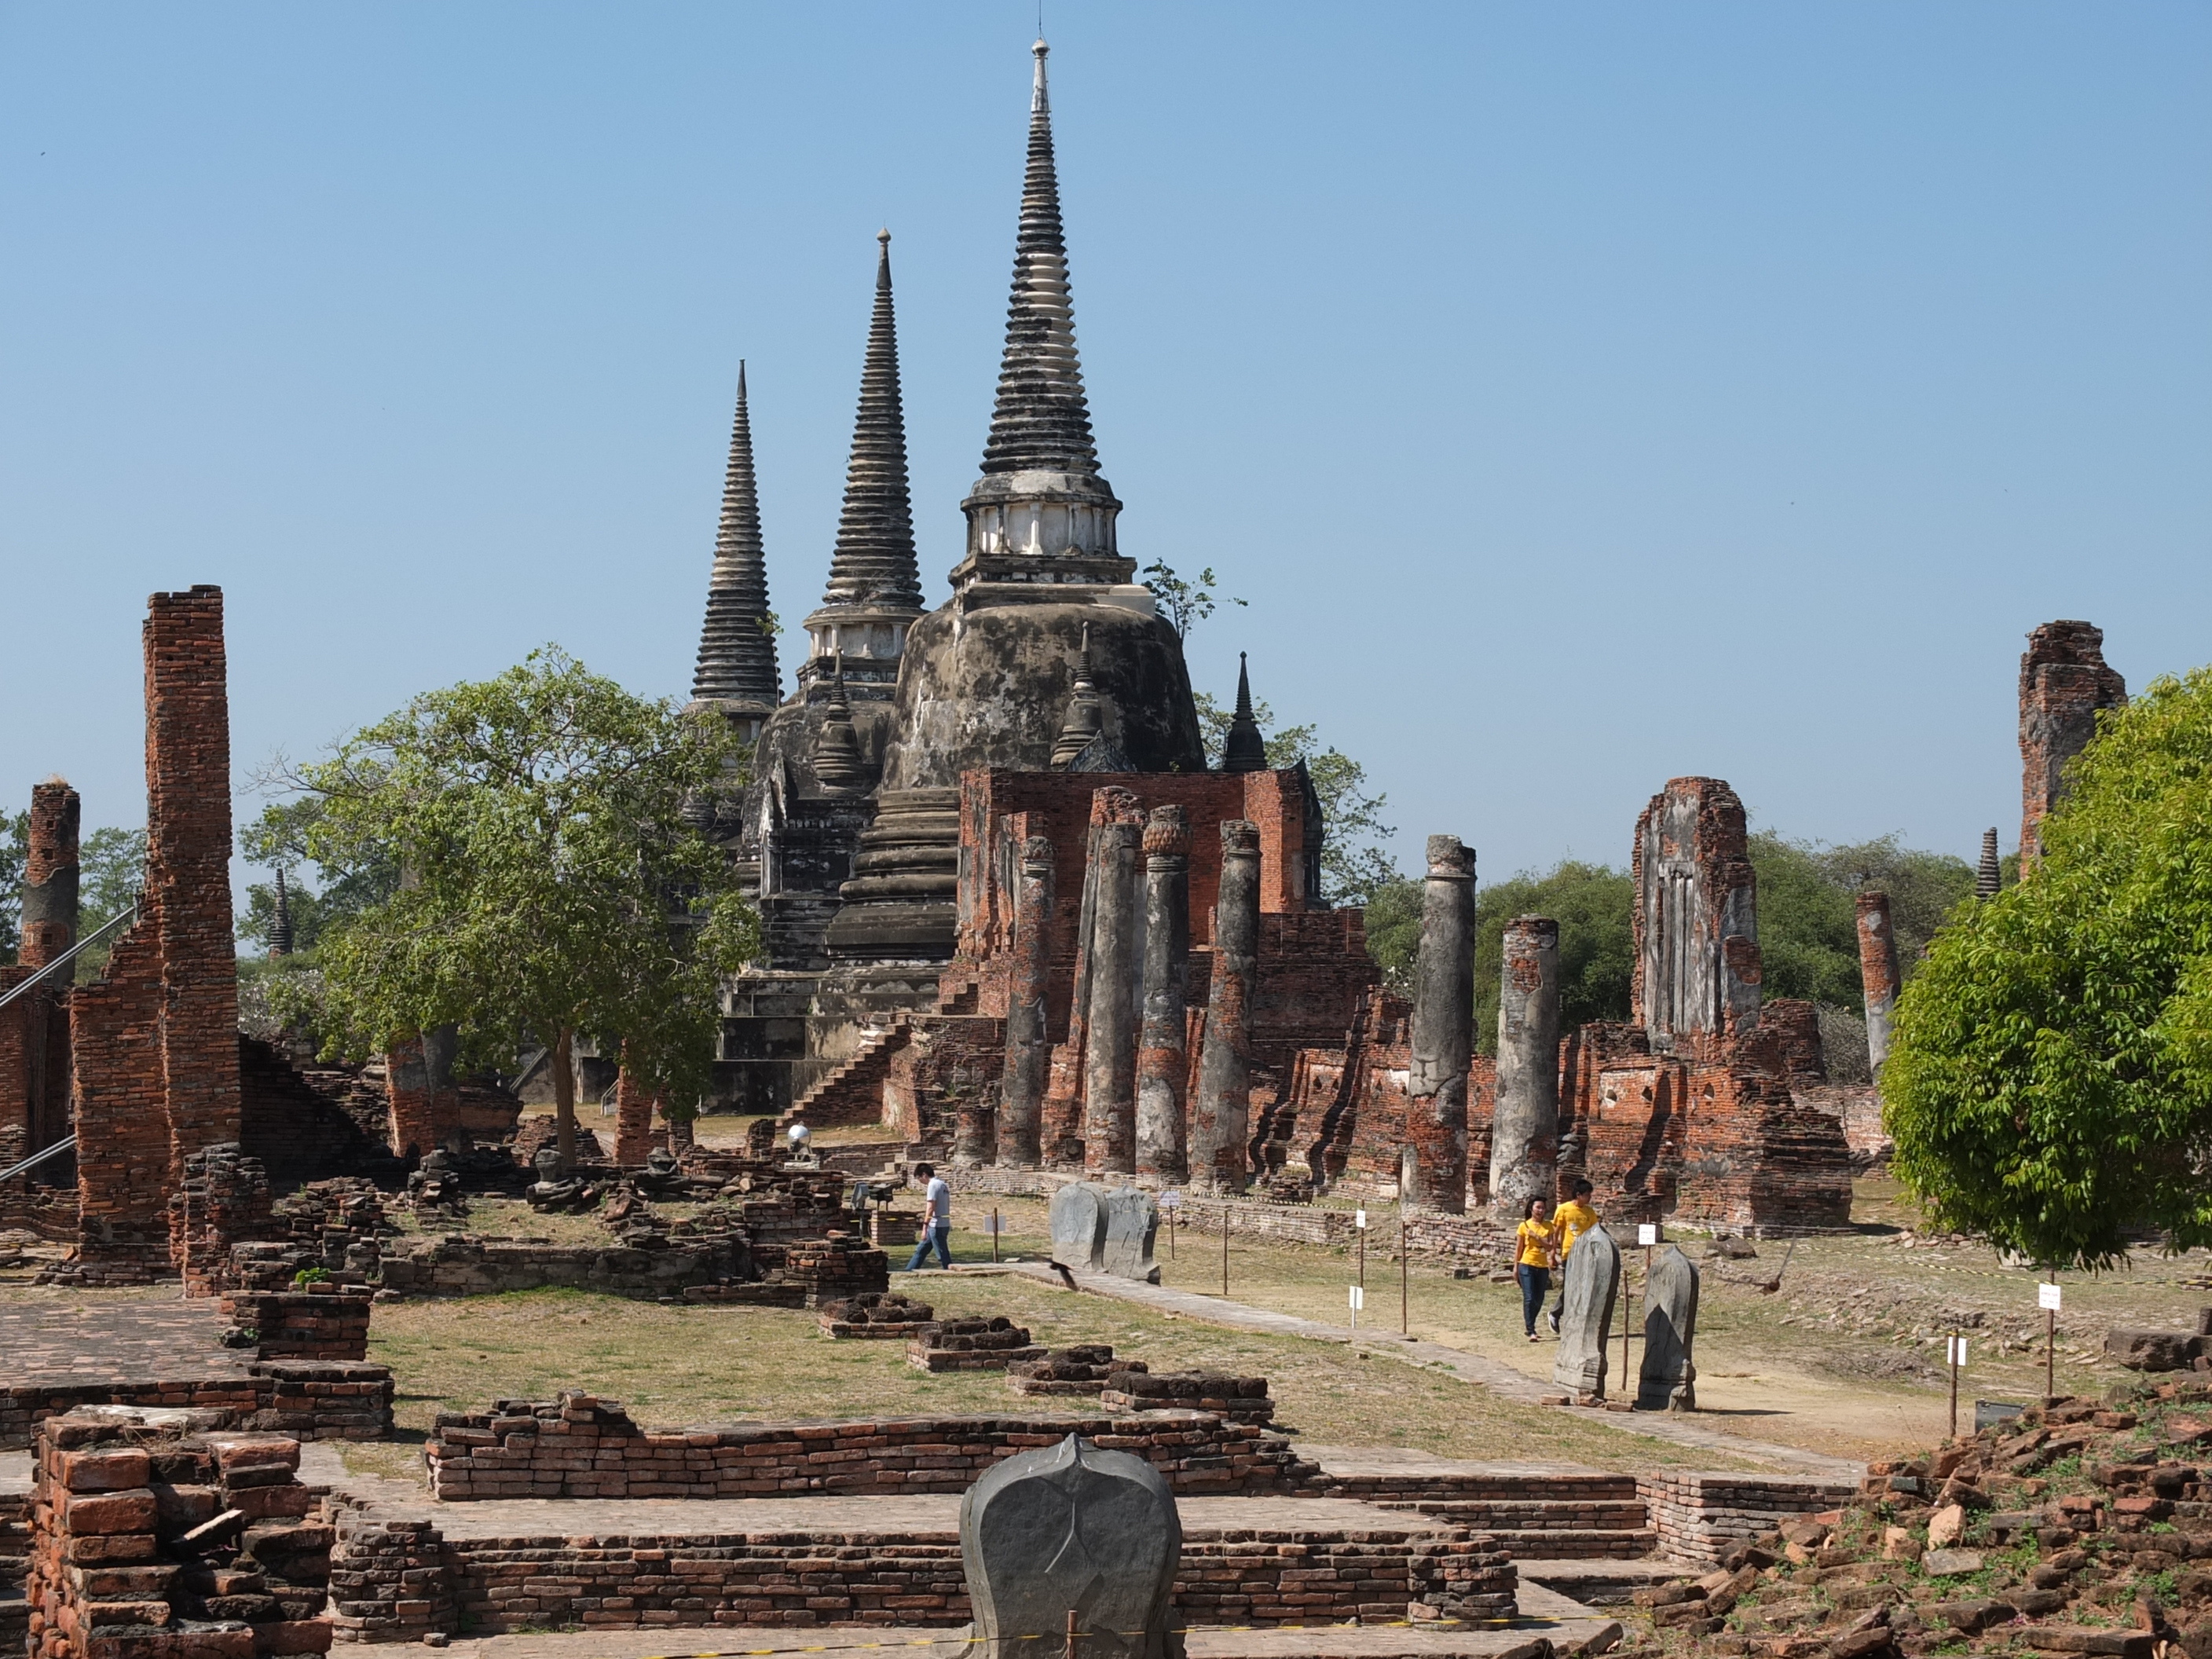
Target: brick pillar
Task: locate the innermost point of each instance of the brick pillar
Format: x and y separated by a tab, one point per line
34	1067
1524	1141
2064	684
188	848
633	1120
1878	973
50	874
1109	1038
1021	1099
1220	1125
1162	1058
1433	1166
414	1128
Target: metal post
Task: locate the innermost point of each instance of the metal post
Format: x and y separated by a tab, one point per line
1225	1247
1071	1653
1404	1322
1952	1354
1624	1394
995	1232
2050	1349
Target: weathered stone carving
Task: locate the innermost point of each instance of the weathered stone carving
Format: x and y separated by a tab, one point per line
1434	1176
1593	1282
1133	1221
1669	1381
1070	1529
1524	1138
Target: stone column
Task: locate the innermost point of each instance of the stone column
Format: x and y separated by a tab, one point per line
1163	1058
41	1016
50	875
1433	1167
1029	1058
1524	1138
1878	973
1219	1129
1110	1037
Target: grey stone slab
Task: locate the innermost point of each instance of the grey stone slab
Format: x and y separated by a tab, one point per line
1669	1380
1078	1225
1586	1319
1072	1529
1133	1221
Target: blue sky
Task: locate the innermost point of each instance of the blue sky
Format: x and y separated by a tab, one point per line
1580	395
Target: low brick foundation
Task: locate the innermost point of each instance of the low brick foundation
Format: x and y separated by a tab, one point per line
1699	1516
318	1322
875	1316
312	1400
1263	1578
391	1580
582	1447
154	1538
458	1265
971	1345
1240	1399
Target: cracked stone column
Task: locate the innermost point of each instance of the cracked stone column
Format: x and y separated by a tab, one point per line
1028	1057
1109	1038
1433	1166
1219	1129
1877	973
1524	1142
1163	1056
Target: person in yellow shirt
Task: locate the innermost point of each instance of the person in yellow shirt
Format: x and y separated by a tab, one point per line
1575	1218
1535	1247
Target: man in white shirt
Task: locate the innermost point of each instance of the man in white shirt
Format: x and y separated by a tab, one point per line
936	1219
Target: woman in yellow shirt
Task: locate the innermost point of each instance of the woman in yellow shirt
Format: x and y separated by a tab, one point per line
1535	1248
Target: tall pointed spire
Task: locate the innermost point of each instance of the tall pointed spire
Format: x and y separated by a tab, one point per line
875	586
875	564
1041	498
1084	720
837	761
1245	748
280	921
1990	878
1043	423
737	647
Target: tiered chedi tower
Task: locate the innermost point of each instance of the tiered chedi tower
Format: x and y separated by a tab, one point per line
737	675
858	871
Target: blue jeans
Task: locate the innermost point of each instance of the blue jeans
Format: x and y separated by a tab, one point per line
1536	1283
937	1236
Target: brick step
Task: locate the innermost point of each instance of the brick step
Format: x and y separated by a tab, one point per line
1528	1514
1580	1544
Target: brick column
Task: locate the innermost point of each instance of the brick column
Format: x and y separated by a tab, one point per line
1021	1099
1163	1057
2064	684
1878	973
34	1065
1433	1166
1109	1038
1524	1141
50	874
633	1120
1220	1116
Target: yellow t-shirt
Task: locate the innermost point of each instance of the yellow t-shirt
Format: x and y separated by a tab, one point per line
1575	1218
1535	1238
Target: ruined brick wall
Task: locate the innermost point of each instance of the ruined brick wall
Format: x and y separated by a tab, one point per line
154	1040
116	1497
1700	1517
2064	684
34	1063
318	1321
952	1058
311	1399
1696	924
221	1199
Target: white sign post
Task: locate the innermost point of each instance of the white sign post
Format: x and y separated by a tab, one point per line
1171	1205
1647	1233
2047	1298
1359	1298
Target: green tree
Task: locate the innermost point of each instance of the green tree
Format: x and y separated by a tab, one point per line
2051	1084
111	866
15	852
1809	940
1591	903
551	888
1354	867
277	839
1184	604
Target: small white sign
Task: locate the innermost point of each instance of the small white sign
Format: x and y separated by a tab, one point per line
1955	1350
995	1223
2046	1296
1359	1219
1647	1233
1171	1200
1359	1297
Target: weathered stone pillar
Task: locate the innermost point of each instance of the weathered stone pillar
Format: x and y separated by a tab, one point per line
1029	1058
1878	973
2064	684
50	875
1433	1166
1219	1129
1163	1057
1109	1037
1524	1138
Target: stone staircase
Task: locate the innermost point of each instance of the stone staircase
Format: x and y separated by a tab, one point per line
1560	1516
853	1094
